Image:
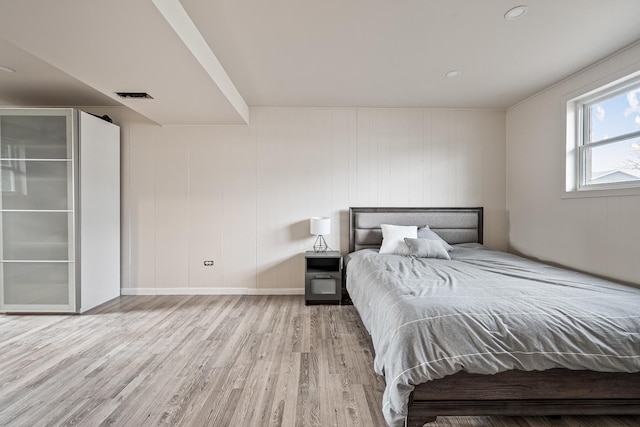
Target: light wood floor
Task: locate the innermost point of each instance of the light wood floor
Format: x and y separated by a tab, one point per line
203	361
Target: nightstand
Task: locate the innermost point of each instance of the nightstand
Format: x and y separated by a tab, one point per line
322	277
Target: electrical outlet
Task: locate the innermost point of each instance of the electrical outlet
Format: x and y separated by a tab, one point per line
208	263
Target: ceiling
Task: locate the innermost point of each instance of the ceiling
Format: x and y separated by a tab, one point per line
206	61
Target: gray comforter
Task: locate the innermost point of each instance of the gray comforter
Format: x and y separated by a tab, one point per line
486	312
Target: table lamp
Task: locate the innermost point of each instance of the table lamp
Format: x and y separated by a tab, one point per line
320	226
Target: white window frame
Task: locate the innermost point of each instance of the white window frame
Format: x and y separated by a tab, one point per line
576	149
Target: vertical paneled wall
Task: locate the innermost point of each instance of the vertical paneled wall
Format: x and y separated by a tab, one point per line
242	196
595	233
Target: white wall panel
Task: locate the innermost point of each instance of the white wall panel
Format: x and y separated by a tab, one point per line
243	195
221	205
140	267
172	209
442	160
239	226
416	167
206	212
125	205
496	219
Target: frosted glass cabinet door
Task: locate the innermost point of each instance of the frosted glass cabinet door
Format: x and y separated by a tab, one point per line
35	136
39	236
31	284
36	185
37	210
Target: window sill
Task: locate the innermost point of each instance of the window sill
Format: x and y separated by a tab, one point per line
601	192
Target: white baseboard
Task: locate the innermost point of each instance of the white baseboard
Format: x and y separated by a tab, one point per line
275	291
212	291
138	291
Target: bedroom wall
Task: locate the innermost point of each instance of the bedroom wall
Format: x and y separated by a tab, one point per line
242	195
600	235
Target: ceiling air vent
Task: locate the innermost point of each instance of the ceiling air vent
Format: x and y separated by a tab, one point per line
134	95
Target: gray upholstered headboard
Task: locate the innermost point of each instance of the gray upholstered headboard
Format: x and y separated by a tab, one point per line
455	225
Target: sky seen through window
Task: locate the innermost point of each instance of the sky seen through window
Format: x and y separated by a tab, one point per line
613	117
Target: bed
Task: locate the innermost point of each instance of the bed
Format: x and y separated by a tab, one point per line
488	333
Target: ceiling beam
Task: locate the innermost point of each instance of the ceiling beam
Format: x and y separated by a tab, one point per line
184	27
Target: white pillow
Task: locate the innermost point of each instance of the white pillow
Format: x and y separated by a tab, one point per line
393	238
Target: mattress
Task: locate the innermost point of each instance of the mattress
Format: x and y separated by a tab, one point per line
486	312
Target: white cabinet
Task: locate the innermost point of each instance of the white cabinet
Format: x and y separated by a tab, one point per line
59	210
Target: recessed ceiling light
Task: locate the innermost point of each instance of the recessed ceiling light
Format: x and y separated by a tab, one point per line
453	73
7	69
516	12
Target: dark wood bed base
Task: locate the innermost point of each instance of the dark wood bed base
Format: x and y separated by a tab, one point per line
521	393
552	392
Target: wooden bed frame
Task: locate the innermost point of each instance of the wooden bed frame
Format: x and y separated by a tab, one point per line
516	393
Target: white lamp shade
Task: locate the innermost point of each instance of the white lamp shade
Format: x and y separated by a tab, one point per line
320	225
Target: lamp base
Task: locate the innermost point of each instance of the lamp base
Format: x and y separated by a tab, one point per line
320	245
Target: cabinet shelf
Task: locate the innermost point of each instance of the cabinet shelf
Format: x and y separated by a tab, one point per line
27	159
38	210
35	261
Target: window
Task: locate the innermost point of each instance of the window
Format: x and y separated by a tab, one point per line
604	145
